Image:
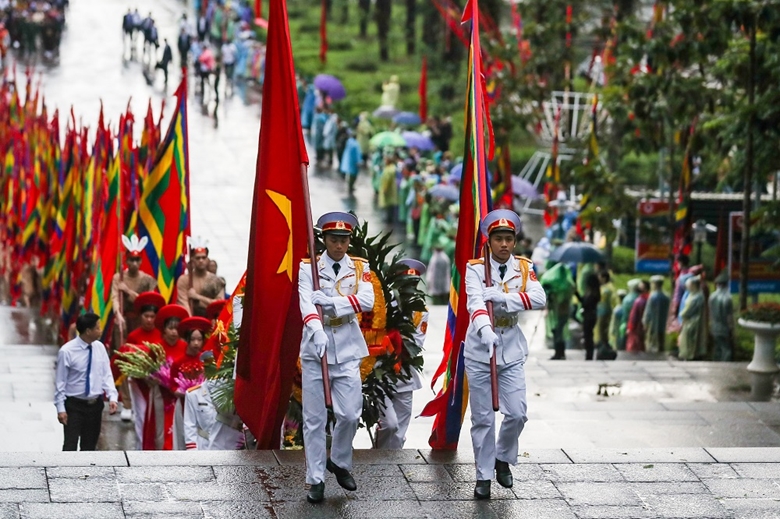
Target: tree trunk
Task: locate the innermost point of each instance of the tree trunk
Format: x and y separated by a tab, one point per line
747	183
411	20
383	13
365	11
345	11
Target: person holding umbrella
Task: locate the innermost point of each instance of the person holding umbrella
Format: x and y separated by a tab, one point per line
513	289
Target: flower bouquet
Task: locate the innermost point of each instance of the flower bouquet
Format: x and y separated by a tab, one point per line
141	362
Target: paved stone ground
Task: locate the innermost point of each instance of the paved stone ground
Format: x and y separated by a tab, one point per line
549	483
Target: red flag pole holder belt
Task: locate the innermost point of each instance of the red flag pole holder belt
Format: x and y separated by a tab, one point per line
489	306
315	281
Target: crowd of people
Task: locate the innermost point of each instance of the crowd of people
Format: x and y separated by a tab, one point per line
416	189
31	26
220	42
641	318
171	406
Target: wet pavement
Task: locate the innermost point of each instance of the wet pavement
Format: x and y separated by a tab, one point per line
549	484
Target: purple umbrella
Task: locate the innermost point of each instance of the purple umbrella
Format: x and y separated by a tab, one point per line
522	187
456	173
418	140
385	112
331	86
407	118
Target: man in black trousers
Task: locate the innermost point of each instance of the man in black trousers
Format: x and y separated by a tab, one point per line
83	378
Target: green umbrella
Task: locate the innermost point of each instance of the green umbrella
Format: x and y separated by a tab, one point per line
386	139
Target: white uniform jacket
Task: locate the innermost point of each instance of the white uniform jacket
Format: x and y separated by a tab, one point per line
204	428
352	294
524	292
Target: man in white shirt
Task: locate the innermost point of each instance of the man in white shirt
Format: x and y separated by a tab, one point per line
83	377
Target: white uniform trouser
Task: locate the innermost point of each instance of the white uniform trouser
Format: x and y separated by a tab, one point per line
347	395
394	421
512	404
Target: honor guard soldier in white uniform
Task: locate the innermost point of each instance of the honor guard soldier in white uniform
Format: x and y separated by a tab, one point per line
205	429
394	419
345	290
514	289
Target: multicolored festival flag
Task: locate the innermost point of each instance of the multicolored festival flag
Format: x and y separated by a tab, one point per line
683	241
271	326
107	255
164	208
449	406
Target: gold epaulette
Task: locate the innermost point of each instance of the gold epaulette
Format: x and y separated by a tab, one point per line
478	261
523	258
307	259
358	258
193	388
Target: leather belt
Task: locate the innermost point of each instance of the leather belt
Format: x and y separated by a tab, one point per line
232	421
505	321
335	322
88	401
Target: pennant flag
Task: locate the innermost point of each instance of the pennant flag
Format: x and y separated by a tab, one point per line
449	405
504	196
683	240
164	208
106	260
423	90
271	327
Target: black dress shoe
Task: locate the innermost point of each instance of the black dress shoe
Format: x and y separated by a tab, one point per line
558	357
503	474
482	490
343	476
316	493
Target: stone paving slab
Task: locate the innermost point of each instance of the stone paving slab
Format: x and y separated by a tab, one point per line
659	455
591	484
60	459
745	455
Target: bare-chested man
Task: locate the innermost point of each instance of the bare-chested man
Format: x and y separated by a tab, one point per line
205	287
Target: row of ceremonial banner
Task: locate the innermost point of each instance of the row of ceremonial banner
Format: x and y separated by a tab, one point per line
66	202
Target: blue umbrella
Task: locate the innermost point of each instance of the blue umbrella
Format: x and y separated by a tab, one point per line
445	191
576	252
418	140
331	86
407	118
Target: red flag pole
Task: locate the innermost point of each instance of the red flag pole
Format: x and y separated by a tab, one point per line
315	279
119	223
323	32
423	90
489	306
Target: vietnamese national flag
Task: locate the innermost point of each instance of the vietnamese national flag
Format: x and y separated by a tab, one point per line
423	91
271	326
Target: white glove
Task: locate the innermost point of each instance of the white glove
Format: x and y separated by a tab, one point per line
318	298
494	294
489	339
320	339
